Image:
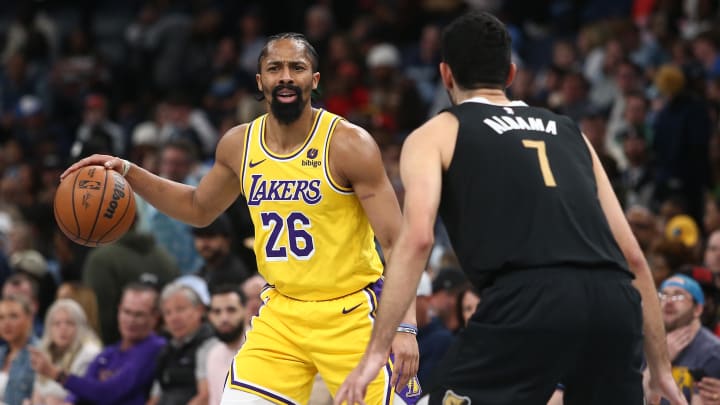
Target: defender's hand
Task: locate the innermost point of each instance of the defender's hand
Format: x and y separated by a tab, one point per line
664	386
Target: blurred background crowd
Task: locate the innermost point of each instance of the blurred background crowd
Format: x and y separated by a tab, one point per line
160	81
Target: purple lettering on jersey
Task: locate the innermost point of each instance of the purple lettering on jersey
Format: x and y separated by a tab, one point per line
312	196
257	191
283	190
299	188
273	190
287	191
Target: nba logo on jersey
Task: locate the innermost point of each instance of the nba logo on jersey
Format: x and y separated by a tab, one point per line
312	153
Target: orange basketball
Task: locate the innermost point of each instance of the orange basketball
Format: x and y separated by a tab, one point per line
94	206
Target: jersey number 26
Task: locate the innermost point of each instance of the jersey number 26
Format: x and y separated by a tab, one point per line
299	242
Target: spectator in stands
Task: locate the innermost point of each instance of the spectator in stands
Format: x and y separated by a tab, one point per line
644	226
712	254
574	100
252	288
181	375
108	269
33	264
711	218
87	300
445	289
628	79
710	318
666	257
637	179
593	124
467	302
69	256
177	162
227	317
16	375
705	48
68	344
433	337
214	243
122	373
181	120
681	135
97	134
23	285
693	350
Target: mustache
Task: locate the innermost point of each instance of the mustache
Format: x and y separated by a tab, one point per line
259	96
297	90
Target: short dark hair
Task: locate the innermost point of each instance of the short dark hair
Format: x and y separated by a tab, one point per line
222	289
21	277
312	53
139	287
476	46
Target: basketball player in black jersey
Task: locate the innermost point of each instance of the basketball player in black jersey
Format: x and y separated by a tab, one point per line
539	232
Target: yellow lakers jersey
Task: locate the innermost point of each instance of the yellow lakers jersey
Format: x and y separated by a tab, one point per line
313	240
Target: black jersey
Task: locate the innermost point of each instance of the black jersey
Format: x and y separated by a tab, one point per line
520	193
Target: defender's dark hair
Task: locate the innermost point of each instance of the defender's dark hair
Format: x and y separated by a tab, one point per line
312	53
477	48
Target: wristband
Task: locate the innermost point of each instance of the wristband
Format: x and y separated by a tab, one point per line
125	167
407	328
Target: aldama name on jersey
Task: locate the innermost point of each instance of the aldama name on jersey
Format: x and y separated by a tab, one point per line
506	123
283	190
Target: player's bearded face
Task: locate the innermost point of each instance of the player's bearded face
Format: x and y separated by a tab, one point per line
287	103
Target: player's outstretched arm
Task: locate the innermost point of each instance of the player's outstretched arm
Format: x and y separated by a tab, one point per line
661	380
421	170
197	206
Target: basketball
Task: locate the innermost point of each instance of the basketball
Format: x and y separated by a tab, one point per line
94	206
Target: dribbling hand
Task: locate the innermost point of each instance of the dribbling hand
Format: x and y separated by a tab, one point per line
108	161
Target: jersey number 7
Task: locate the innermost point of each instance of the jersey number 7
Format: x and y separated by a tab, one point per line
543	159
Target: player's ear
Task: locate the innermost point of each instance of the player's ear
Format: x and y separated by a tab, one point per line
446	75
511	74
315	80
259	82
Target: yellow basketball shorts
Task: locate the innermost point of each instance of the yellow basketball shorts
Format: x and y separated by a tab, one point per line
291	341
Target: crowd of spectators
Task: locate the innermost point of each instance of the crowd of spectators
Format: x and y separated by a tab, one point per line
160	81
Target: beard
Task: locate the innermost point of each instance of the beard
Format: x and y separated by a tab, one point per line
232	335
682	319
287	113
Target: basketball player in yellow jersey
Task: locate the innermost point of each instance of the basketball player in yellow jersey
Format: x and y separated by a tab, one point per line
318	195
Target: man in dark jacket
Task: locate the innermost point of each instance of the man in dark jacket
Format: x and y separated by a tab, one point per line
134	257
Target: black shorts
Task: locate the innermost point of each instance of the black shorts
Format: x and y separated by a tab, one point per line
536	328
